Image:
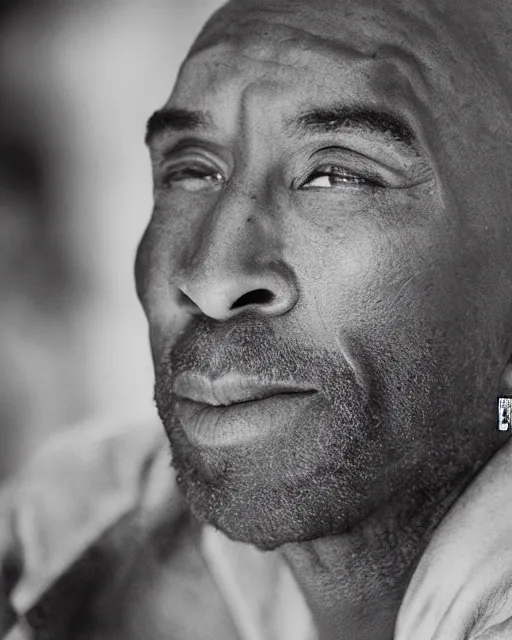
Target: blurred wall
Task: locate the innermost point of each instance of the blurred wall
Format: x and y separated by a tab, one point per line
78	80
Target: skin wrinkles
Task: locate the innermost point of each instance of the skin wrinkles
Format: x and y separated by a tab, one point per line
438	45
296	42
322	34
402	89
391	301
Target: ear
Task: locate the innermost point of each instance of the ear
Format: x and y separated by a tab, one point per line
505	384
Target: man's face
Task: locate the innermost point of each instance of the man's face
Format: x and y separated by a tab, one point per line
324	272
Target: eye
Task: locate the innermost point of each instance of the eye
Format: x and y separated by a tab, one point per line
193	178
331	175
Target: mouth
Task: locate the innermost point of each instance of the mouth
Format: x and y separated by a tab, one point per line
231	388
236	409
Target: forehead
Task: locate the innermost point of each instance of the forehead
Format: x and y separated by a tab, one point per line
361	25
412	57
262	63
377	53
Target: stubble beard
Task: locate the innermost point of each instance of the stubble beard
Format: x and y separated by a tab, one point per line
323	474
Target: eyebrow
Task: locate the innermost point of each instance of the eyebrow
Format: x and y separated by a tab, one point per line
341	117
316	120
174	120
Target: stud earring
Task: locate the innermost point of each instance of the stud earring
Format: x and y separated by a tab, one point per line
504	413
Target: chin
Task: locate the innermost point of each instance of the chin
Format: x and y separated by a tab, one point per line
244	494
278	523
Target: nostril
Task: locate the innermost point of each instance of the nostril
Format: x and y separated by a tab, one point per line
258	296
186	302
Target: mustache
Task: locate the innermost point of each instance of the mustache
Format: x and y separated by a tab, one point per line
250	346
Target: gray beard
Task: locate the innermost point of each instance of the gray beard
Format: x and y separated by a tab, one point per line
352	450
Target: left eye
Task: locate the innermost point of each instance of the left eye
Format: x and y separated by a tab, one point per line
334	176
193	178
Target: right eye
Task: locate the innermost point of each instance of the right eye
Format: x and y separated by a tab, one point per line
193	178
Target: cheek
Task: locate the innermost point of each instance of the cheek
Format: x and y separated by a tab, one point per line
363	249
155	272
384	271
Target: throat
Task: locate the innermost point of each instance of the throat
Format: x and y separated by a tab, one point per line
354	582
349	595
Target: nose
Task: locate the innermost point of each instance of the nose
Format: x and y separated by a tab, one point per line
235	264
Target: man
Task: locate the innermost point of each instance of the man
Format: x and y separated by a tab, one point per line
327	285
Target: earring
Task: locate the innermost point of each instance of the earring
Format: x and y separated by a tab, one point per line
504	413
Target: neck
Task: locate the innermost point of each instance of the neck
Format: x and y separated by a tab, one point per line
354	582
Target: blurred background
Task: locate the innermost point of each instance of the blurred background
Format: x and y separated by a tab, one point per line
78	80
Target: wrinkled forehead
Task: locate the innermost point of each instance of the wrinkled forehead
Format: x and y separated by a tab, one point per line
443	55
364	26
440	32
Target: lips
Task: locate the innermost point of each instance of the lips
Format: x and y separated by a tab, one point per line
231	388
236	409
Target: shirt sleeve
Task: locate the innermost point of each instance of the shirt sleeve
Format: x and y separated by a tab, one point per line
87	482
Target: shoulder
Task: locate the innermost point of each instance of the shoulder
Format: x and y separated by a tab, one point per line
94	486
473	598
